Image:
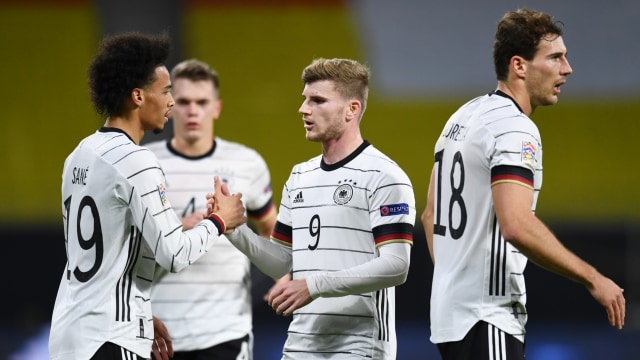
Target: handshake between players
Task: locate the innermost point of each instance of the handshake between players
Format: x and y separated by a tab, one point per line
226	206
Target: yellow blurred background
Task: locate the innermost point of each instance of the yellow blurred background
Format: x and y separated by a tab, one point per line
259	48
591	161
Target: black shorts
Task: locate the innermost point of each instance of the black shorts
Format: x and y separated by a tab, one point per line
111	351
483	342
230	350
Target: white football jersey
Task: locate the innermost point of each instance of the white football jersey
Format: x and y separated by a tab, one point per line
210	302
335	217
477	274
118	223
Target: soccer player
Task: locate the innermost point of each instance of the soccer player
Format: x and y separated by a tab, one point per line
480	216
207	307
344	229
118	221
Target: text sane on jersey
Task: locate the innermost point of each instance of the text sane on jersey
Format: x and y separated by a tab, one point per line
80	176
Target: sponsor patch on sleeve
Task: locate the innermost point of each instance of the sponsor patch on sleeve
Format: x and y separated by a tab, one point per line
394	209
528	153
162	191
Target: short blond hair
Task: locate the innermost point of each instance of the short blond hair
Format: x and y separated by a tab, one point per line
351	78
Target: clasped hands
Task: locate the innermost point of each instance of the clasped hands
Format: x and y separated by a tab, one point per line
284	297
227	206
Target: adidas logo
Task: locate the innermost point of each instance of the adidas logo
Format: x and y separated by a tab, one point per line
298	198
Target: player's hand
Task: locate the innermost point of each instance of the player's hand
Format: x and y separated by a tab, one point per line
287	297
282	280
610	295
189	221
227	206
162	347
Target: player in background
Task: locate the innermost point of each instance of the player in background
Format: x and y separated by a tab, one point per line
480	217
118	221
207	308
344	229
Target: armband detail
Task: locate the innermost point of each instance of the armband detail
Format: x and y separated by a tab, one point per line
218	222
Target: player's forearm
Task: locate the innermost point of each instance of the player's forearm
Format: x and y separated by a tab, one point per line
272	259
264	225
520	227
390	269
428	233
427	217
427	223
540	246
177	250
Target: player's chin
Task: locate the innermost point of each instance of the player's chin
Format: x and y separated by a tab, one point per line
313	137
552	100
159	129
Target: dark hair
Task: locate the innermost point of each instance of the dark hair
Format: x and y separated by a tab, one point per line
124	62
195	70
351	78
519	33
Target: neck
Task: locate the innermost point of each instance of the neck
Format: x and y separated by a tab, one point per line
120	122
518	94
338	149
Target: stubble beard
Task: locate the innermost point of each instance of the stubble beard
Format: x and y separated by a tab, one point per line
330	133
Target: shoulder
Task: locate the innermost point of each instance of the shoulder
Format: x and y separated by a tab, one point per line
498	115
311	164
118	153
381	160
489	105
502	111
377	155
126	155
378	168
117	147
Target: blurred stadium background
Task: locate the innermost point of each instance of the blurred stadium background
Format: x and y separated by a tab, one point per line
427	58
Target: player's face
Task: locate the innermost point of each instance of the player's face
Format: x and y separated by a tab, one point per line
197	105
323	111
547	71
157	104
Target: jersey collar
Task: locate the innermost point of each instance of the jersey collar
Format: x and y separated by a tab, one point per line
179	154
503	94
329	167
106	129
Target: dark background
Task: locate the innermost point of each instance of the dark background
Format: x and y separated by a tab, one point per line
560	311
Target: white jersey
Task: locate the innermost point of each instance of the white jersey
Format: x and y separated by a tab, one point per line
478	275
335	217
210	302
118	223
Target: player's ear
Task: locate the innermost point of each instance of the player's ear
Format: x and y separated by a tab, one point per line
519	66
218	109
353	112
137	96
